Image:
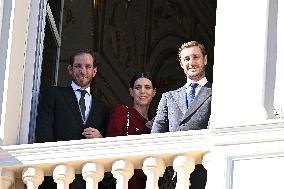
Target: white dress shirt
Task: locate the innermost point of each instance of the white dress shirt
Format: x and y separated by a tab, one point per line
88	98
200	83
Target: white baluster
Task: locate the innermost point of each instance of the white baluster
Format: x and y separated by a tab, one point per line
7	178
63	176
32	177
153	168
122	170
184	166
205	160
205	163
92	173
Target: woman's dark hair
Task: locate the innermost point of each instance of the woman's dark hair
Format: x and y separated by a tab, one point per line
141	75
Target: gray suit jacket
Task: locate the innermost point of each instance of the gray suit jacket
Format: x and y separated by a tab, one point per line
173	115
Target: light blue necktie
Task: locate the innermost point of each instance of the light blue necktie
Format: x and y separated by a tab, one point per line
191	94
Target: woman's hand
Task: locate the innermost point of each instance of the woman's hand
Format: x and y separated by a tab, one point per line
150	123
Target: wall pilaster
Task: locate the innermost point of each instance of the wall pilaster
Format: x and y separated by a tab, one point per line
245	63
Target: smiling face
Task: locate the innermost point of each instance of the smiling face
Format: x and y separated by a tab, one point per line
142	92
193	63
82	70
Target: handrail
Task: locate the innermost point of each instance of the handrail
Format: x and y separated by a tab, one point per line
104	150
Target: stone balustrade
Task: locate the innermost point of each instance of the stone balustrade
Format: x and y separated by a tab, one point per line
29	163
232	157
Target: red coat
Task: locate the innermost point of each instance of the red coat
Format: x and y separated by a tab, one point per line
118	120
117	127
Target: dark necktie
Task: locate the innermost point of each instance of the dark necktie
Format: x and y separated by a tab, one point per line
82	103
191	94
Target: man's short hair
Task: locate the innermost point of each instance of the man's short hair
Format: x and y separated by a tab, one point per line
191	44
84	51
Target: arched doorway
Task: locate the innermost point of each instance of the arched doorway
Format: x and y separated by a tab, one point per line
131	35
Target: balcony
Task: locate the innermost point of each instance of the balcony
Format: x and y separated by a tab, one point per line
29	163
238	157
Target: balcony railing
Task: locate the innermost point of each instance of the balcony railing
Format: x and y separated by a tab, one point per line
29	163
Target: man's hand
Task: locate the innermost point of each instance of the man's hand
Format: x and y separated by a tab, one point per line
91	133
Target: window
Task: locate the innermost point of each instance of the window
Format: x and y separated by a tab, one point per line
47	53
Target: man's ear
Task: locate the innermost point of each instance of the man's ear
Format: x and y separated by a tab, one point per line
95	71
180	63
205	59
69	68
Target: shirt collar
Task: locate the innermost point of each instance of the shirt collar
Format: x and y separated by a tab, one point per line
201	82
75	87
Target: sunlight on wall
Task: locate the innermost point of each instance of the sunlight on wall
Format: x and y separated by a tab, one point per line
254	173
279	92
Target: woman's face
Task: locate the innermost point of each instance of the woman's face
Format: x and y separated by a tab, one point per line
142	92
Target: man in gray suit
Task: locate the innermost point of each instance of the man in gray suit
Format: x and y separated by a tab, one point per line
189	107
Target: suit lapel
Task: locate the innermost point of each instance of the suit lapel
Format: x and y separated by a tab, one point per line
180	98
72	101
204	93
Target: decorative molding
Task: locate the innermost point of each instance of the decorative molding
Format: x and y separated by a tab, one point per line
267	131
53	25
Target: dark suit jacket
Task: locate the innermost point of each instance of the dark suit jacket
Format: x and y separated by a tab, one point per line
59	117
173	115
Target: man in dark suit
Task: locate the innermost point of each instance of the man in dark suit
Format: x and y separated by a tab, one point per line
189	107
72	113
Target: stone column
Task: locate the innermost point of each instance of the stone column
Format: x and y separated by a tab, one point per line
7	178
122	170
279	92
32	177
63	176
244	65
153	168
92	173
184	166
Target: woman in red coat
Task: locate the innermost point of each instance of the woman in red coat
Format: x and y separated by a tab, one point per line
126	120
